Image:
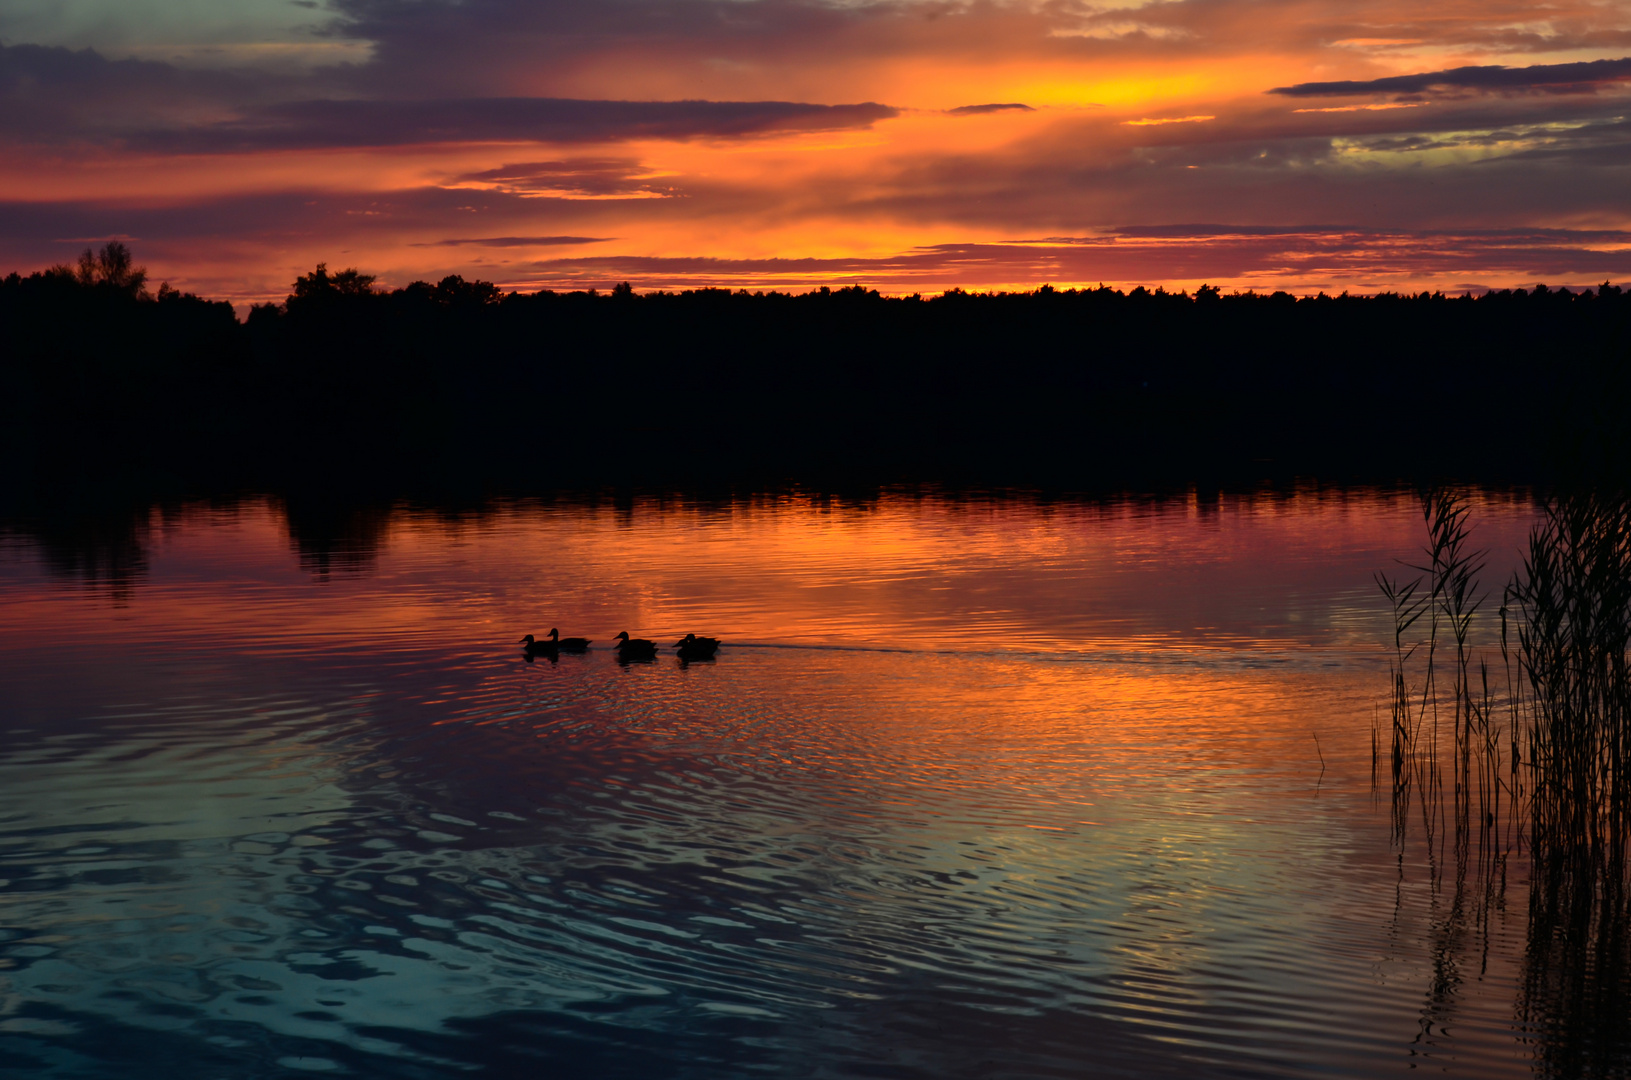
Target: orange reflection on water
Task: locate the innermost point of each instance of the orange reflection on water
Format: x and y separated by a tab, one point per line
1253	572
1008	646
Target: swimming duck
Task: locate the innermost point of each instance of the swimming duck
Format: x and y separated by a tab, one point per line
692	647
532	645
567	644
555	643
635	648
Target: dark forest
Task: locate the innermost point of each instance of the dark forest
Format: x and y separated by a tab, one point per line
458	389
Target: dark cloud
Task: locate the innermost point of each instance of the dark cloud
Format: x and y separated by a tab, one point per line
332	123
720	49
60	95
1549	78
1260	169
518	241
208	227
980	110
480	47
52	94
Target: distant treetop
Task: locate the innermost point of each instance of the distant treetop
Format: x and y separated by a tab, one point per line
320	283
112	267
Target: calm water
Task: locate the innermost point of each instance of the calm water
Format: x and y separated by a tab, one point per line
974	789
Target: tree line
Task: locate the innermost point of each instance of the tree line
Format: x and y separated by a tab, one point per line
460	386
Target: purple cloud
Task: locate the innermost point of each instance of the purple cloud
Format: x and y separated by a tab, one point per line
341	123
517	241
59	95
52	94
1550	78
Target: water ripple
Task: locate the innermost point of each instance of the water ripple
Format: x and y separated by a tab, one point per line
360	833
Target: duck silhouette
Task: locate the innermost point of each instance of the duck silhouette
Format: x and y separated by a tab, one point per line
691	647
555	643
567	644
635	648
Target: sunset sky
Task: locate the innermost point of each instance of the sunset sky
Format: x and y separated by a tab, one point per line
909	146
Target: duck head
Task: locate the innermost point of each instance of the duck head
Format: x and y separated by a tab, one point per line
554	634
624	636
527	640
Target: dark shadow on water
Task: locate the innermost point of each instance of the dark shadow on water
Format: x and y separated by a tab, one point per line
1576	990
104	551
331	535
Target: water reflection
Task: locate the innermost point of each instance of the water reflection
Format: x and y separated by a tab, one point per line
974	789
329	535
1576	990
106	551
1274	570
760	872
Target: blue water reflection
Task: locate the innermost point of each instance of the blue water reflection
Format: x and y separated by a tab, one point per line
365	836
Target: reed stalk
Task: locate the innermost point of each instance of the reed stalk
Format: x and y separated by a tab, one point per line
1564	695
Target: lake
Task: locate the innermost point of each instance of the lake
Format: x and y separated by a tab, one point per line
976	787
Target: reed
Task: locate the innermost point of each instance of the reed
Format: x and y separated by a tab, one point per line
1538	763
1450	713
1573	597
1562	755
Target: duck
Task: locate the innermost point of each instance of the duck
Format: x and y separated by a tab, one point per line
567	644
555	643
635	648
692	647
532	645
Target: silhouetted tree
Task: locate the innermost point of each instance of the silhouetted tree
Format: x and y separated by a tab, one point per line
454	290
321	290
111	267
